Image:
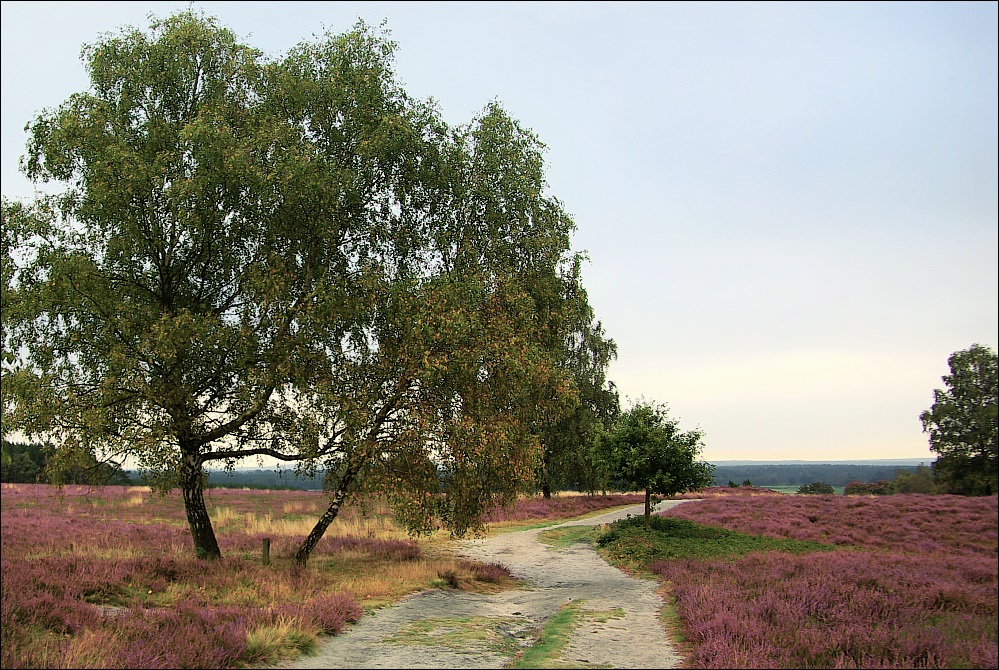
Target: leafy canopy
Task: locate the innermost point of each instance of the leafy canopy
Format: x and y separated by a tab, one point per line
646	449
287	257
963	423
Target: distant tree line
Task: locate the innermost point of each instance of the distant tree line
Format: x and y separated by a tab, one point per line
815	488
37	463
794	474
921	480
265	479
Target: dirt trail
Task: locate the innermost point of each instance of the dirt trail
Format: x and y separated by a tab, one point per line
619	625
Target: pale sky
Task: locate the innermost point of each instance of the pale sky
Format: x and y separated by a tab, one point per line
790	210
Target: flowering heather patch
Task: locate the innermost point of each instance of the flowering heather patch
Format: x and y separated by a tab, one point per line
836	609
905	522
561	507
107	578
725	491
490	573
913	584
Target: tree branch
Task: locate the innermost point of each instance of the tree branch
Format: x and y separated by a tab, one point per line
244	453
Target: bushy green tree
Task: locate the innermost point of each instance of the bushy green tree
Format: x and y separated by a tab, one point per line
853	488
882	487
460	360
920	481
815	488
963	424
286	257
21	463
646	450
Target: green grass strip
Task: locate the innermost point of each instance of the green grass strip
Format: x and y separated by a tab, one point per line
630	542
554	637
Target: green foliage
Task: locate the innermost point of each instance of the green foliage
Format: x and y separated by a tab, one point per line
636	544
920	481
882	487
963	423
21	463
40	463
816	488
647	450
567	459
290	257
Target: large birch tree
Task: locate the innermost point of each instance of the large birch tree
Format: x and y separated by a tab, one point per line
287	258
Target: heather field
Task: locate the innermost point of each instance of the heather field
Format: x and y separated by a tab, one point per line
105	577
902	581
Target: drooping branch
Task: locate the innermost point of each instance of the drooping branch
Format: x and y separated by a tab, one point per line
246	453
331	445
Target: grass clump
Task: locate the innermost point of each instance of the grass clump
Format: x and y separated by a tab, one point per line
285	639
473	576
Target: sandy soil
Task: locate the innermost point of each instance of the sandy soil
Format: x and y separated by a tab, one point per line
620	625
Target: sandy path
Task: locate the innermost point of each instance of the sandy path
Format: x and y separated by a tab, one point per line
431	629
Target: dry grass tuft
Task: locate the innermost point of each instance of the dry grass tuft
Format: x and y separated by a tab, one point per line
284	640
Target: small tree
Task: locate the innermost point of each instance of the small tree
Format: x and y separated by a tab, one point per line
962	423
853	488
647	450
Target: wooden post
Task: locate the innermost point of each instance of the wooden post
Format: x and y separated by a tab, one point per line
266	558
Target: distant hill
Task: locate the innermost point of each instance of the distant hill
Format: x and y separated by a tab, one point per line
870	461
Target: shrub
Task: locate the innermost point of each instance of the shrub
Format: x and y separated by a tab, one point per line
815	488
882	487
920	481
492	573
